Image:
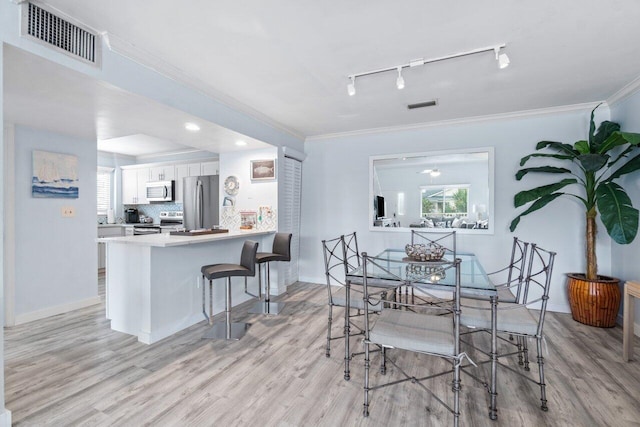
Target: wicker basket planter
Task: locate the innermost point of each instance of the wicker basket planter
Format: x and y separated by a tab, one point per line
594	302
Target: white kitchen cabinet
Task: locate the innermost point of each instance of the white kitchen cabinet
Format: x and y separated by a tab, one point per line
134	186
182	171
163	173
209	168
109	231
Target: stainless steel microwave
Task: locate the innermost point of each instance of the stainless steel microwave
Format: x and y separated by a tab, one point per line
161	191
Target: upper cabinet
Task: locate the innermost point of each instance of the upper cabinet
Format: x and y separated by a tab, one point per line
182	171
134	182
163	173
209	168
135	178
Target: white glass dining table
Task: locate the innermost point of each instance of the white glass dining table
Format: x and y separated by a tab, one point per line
399	270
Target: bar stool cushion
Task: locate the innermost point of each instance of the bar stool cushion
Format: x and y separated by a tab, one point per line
281	250
216	271
262	257
247	266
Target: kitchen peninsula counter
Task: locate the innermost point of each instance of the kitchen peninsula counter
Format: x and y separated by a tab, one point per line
154	284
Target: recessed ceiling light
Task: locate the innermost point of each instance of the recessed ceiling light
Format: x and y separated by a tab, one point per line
241	143
191	127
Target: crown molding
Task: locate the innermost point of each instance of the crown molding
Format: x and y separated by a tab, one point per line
146	59
462	121
626	91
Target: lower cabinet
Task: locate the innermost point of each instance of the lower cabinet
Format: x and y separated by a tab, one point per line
109	231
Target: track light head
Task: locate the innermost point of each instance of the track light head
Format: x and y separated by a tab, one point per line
351	87
503	61
502	58
400	79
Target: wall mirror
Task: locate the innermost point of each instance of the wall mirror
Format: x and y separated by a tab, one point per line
432	191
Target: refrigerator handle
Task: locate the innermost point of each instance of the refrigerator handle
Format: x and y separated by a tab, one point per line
199	204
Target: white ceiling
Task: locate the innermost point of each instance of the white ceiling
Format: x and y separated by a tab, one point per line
290	60
45	95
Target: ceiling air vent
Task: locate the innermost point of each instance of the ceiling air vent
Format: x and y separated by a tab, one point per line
423	104
52	30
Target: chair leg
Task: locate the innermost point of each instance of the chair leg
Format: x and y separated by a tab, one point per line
365	411
543	393
328	351
266	307
456	393
383	360
210	302
525	351
520	352
228	331
204	301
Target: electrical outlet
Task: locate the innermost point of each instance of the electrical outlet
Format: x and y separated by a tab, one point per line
68	212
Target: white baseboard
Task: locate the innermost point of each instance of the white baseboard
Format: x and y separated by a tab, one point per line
58	309
5	418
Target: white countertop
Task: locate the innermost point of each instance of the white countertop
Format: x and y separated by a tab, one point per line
166	240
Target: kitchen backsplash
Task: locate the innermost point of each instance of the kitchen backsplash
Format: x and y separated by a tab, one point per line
266	218
154	210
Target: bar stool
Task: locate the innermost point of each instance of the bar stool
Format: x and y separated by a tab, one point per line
281	251
246	268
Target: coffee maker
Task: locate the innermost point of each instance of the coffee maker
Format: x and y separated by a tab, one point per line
131	216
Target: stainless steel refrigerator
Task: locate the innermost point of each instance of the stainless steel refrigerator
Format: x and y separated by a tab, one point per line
201	204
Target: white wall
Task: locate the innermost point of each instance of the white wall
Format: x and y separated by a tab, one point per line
336	183
625	264
5	415
115	161
55	257
252	194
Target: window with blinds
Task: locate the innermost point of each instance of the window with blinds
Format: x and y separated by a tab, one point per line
105	178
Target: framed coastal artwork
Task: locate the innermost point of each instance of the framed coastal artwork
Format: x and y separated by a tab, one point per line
263	169
55	175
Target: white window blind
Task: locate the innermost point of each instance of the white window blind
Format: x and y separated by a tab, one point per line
105	178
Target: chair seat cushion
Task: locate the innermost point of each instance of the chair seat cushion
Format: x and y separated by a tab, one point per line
216	271
514	318
414	332
339	298
268	257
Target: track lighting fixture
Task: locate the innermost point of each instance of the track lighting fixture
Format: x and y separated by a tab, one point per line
502	58
400	80
351	88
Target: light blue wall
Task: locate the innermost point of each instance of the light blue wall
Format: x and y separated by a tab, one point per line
625	263
5	416
335	193
56	257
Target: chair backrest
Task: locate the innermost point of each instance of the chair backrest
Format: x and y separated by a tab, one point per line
431	300
516	267
351	252
334	261
248	256
282	245
447	240
538	280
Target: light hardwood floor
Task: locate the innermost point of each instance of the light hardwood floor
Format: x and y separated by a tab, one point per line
72	369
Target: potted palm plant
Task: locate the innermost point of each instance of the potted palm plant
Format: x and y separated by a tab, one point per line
592	168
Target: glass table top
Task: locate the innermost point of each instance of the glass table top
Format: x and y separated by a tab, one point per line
392	266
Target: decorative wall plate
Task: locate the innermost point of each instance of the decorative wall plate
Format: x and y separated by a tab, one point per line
231	185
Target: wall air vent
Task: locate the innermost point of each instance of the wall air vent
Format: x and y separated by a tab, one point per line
52	30
423	104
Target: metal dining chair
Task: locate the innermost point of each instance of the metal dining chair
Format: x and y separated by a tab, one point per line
403	326
340	257
523	318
